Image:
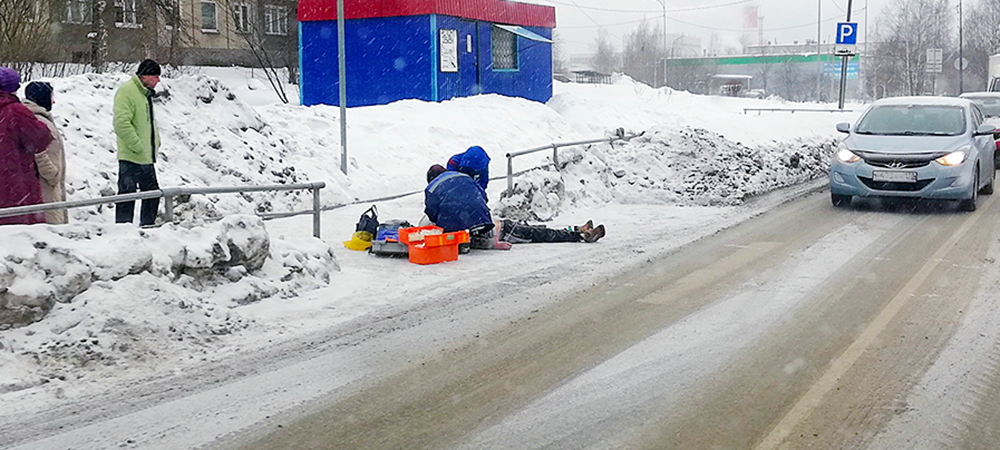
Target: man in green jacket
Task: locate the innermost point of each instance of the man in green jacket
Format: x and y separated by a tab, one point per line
138	139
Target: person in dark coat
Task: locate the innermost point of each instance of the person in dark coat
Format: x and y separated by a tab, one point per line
454	201
21	137
473	162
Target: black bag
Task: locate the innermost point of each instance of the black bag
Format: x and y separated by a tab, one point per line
369	221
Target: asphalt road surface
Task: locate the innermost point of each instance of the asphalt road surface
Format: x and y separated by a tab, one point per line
807	327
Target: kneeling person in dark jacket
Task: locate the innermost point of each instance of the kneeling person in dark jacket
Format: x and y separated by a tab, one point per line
454	201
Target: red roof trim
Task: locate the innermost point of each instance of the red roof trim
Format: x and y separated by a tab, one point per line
496	11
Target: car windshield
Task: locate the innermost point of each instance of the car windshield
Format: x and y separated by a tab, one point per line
918	120
989	105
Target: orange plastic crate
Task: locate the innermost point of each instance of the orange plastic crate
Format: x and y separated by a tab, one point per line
435	248
437	240
423	254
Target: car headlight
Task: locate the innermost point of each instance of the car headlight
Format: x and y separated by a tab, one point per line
952	159
846	156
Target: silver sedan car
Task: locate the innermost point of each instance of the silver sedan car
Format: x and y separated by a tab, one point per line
918	147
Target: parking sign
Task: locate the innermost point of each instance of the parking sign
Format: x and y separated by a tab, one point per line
847	33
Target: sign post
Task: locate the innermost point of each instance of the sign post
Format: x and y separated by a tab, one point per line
342	80
847	39
935	60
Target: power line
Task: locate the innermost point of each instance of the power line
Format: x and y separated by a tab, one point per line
692	8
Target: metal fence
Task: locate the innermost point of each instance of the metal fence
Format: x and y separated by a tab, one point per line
168	195
620	136
794	110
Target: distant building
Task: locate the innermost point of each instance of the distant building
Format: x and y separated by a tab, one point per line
432	50
210	32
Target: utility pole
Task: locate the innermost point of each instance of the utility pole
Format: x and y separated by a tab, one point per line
663	3
341	49
843	65
819	54
961	55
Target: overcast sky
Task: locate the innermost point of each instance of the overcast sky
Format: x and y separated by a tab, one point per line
784	20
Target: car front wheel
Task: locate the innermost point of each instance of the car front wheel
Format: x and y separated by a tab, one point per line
988	189
840	201
970	203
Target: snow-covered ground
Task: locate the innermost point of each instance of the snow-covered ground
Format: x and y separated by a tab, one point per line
113	304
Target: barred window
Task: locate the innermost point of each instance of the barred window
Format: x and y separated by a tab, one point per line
125	16
504	50
209	17
275	20
241	17
78	11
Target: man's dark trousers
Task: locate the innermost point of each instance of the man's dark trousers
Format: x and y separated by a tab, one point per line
132	177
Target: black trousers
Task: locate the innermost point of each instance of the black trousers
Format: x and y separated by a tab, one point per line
133	177
519	233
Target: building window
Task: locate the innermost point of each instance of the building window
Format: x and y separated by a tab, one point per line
77	11
125	14
209	17
276	20
241	18
504	50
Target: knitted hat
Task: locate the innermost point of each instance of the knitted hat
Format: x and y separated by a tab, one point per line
148	67
39	92
10	80
434	171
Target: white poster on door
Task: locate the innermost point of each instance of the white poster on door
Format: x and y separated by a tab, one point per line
449	51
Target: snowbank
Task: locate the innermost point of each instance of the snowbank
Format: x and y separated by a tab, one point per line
113	295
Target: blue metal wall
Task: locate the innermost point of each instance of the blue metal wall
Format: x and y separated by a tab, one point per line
390	59
532	79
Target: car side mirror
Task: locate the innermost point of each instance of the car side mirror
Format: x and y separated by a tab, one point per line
984	130
844	127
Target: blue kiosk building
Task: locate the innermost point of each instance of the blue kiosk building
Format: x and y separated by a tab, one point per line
431	50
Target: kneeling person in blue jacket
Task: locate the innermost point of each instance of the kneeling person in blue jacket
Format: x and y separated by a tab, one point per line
454	201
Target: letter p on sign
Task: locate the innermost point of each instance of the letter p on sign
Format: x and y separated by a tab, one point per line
847	33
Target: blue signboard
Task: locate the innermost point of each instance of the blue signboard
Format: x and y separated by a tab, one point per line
847	33
832	69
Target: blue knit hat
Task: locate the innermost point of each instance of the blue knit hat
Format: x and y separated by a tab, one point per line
39	92
10	80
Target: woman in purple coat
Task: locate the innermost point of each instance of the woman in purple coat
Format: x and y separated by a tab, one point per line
21	137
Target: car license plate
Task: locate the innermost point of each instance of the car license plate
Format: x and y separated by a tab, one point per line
886	176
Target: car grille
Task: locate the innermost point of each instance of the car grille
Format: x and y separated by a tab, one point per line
897	164
904	187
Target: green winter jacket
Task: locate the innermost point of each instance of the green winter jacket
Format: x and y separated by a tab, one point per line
135	124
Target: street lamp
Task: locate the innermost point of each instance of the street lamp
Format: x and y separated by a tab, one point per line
663	3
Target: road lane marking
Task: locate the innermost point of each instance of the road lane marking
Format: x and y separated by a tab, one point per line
709	275
811	400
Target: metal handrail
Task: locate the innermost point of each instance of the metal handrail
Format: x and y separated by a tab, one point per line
168	195
620	136
794	110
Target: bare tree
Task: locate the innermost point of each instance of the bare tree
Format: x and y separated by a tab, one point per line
25	33
982	37
606	58
908	28
559	59
643	55
249	27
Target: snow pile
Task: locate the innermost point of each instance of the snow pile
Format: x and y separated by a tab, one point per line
209	138
111	294
686	166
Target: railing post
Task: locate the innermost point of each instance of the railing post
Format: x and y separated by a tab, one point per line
316	212
168	208
510	175
555	155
